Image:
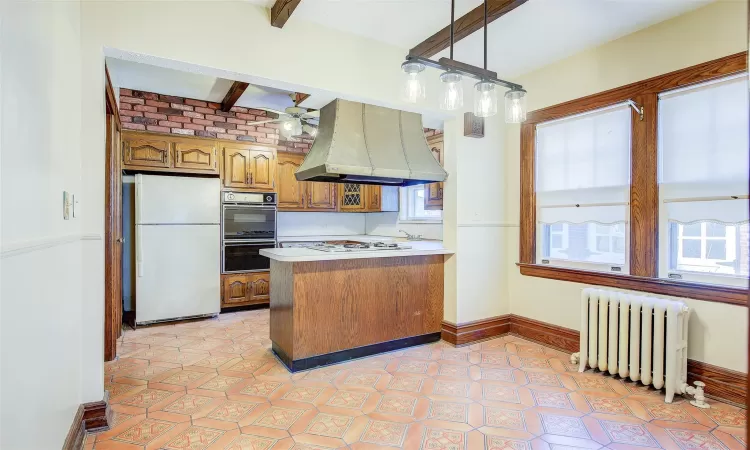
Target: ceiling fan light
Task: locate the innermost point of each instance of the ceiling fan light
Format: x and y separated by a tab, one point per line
453	91
485	99
414	83
515	106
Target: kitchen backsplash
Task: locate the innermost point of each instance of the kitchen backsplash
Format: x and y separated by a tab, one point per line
387	224
320	224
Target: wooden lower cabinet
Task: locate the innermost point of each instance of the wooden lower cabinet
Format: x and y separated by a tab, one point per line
241	289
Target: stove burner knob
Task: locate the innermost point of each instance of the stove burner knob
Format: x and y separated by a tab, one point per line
230	196
269	198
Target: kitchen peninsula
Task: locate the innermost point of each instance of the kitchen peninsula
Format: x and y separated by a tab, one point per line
331	306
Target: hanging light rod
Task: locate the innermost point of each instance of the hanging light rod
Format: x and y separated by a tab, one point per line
464	69
485	95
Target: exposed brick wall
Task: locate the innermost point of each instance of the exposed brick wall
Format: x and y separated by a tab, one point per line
148	111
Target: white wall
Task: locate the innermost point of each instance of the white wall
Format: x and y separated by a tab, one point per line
718	332
320	224
42	377
387	224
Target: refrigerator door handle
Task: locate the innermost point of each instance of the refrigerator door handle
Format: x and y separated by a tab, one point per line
139	252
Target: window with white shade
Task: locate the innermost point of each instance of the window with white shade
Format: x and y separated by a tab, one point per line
583	190
703	182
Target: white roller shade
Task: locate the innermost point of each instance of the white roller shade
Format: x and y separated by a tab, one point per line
703	152
583	167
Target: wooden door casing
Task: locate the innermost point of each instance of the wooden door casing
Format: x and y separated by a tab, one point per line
196	155
291	193
236	167
151	152
113	240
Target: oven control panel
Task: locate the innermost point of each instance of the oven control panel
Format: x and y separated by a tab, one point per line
250	198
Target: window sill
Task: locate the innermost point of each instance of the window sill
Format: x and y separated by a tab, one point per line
698	291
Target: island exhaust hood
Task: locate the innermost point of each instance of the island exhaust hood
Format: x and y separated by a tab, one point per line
367	144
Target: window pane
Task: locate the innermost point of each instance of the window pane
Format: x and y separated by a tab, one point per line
716	249
691	248
585	242
716	229
694	229
722	250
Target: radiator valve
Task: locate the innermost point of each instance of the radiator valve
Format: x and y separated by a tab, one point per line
699	400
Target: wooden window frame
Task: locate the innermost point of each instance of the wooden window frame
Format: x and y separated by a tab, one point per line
644	189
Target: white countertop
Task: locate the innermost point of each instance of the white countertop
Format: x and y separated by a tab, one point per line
351	237
418	248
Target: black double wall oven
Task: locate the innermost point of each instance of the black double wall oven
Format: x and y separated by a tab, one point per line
248	222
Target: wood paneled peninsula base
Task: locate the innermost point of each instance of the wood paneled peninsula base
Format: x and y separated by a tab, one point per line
327	309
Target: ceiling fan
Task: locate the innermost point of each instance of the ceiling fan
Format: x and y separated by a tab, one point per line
294	121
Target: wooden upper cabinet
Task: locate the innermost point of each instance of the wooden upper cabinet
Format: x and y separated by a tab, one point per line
291	193
352	197
142	151
321	196
236	167
433	192
373	201
150	152
262	169
249	167
196	155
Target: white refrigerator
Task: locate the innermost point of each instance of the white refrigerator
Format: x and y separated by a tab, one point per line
177	247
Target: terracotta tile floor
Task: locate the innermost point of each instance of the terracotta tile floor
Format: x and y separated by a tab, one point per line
215	384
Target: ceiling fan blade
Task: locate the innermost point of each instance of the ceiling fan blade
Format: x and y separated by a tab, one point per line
265	121
315	113
275	111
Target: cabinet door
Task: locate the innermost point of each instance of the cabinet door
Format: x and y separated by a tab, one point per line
149	152
351	197
291	193
236	167
261	287
372	199
433	192
262	169
321	196
195	155
236	290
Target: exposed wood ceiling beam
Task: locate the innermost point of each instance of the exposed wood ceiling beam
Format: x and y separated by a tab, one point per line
299	98
281	11
464	26
234	94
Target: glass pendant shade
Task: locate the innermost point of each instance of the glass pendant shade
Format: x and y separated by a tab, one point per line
414	84
453	91
485	99
515	106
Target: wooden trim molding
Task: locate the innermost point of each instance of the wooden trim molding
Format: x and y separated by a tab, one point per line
644	189
722	384
90	417
697	291
111	99
470	332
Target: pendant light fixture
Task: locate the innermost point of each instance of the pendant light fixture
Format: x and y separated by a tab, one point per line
453	90
485	95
